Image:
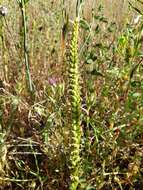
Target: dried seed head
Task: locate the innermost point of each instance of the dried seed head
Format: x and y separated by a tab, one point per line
3	11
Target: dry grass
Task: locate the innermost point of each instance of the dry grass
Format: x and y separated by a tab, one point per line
34	130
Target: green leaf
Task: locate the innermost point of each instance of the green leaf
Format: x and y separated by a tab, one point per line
95	72
26	1
136	95
84	24
89	61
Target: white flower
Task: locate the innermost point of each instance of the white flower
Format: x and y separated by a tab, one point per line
3	11
137	19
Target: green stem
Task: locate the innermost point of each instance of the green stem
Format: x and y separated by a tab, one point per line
25	45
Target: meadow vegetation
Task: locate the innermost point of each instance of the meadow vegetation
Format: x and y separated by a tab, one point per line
71	95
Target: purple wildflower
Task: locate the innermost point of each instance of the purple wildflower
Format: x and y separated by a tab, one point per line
53	81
